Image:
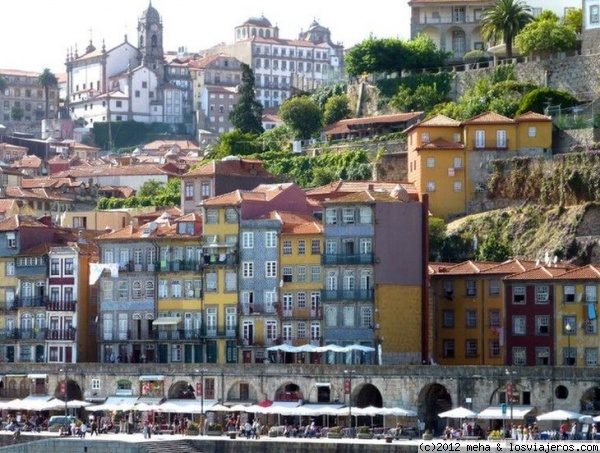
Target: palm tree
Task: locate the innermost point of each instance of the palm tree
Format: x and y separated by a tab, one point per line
503	20
48	80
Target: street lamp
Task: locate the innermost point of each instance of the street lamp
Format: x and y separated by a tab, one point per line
348	390
201	371
64	390
509	394
568	329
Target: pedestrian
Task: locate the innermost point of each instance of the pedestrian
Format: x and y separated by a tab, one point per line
594	432
83	430
248	429
94	428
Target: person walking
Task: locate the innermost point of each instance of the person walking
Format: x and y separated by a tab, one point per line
94	428
83	430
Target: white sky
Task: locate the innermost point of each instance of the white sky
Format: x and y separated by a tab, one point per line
35	34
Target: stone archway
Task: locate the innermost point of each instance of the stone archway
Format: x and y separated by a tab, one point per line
590	401
242	391
182	390
288	392
73	390
433	399
365	395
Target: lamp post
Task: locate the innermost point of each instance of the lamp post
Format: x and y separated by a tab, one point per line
348	391
568	329
201	371
509	395
64	390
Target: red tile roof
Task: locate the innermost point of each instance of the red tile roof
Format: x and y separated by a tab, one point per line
538	273
533	116
16	221
589	272
237	167
489	118
440	143
341	187
346	126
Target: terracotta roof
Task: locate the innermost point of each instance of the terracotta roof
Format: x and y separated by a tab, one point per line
489	118
183	145
589	272
467	268
344	187
271	118
538	273
221	89
18	72
17	221
154	230
533	116
440	143
6	204
345	126
511	267
272	190
34	193
28	162
370	196
293	223
439	267
123	170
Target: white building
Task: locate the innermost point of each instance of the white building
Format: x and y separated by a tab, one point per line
125	83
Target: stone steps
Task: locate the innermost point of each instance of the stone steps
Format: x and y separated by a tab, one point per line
174	446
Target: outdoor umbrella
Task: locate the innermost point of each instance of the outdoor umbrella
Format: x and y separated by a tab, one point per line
559	415
458	412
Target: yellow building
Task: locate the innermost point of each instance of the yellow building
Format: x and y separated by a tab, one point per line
576	317
300	249
450	160
468	310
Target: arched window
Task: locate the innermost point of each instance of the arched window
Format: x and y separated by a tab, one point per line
149	289
458	42
153	41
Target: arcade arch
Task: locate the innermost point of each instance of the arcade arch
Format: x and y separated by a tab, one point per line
433	399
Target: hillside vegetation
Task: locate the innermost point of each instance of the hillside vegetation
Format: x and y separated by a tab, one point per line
530	231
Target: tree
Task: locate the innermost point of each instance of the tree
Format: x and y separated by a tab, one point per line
16	113
503	20
3	84
574	19
540	98
150	188
235	143
423	98
546	35
302	115
437	236
47	80
247	113
336	109
492	249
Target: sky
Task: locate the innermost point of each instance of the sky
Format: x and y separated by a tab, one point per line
36	34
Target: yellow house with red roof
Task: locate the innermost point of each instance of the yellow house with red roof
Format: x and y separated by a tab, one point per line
450	160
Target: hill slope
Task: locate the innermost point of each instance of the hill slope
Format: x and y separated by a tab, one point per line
531	230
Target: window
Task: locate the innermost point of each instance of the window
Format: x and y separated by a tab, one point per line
96	384
301	247
542	356
458	162
519	356
590	293
301	270
189	190
448	348
569	293
247	239
471	318
271	239
501	140
271	269
494	287
594	14
315	247
10	268
287	274
479	139
248	269
301	330
591	357
457	186
315	273
518	294
366	317
569	325
176	289
531	131
431	162
591	326
230	215
471	348
123	288
542	325
301	300
287	247
519	325
569	356
331	316
212	216
205	189
54	266
448	319
541	294
471	287
11	241
211	282
494	348
425	137
365	215
331	216
430	186
348	215
348	316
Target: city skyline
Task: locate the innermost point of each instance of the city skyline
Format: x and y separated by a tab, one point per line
186	25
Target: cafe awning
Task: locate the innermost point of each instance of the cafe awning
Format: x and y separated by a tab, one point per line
152	377
496	413
37	376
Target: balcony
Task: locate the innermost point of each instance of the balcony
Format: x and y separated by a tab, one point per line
61	305
490	145
8	305
60	334
345	258
301	313
115	335
31	302
222	259
256	309
342	294
178	266
8	334
30	271
31	334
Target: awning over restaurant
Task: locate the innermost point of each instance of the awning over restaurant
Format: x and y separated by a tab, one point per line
167	321
495	413
37	376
